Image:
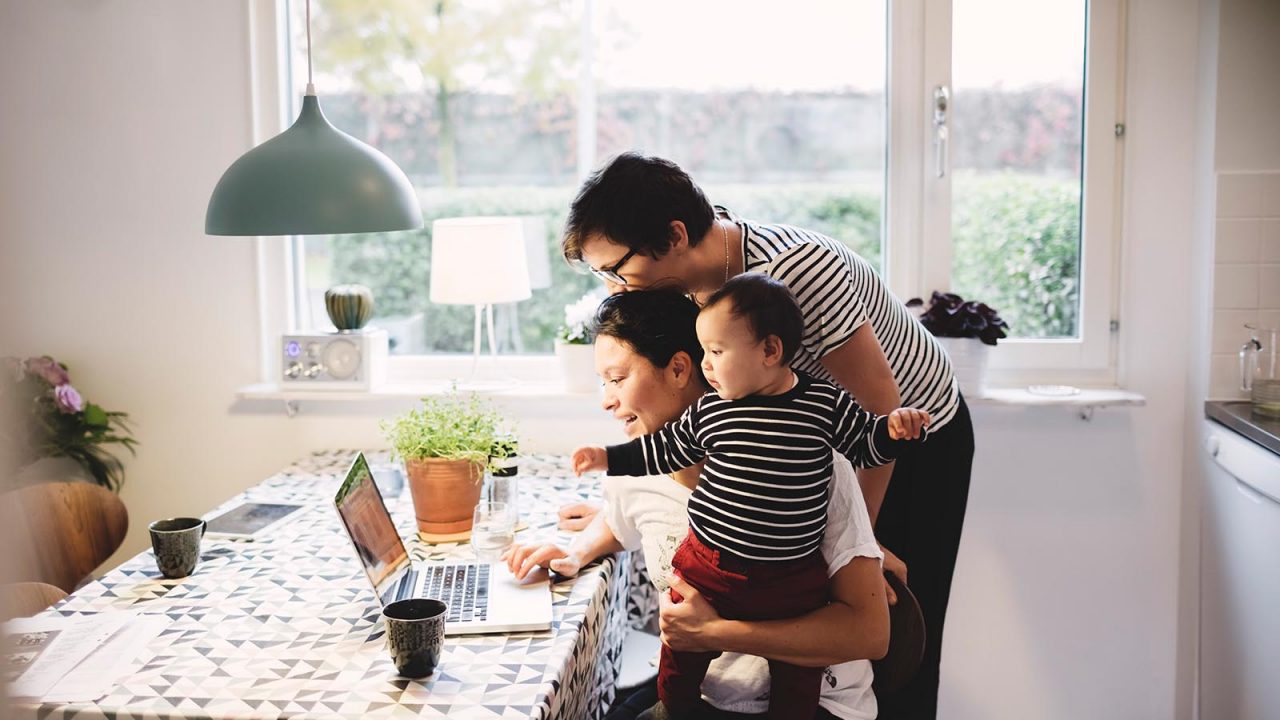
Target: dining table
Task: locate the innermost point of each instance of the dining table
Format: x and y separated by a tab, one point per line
287	625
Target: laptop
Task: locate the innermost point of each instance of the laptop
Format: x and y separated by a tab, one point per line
482	597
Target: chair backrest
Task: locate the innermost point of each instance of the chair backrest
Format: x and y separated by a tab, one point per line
26	599
62	531
906	641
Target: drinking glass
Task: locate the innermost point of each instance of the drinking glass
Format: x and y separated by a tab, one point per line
493	529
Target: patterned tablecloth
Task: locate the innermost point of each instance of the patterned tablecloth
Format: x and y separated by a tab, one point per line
288	627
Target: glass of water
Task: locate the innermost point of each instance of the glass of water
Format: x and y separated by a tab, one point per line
493	529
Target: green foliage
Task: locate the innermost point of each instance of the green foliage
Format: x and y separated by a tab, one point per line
527	47
397	267
849	214
47	424
452	427
1017	247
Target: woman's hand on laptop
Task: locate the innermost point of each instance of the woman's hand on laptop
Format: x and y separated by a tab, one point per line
522	559
576	516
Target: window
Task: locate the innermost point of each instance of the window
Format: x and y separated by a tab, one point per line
815	114
1014	109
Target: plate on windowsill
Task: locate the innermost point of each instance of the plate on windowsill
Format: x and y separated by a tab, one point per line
1053	390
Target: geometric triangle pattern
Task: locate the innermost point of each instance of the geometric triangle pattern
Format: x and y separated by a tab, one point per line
288	626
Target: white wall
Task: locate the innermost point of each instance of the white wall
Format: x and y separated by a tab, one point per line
1247	160
1065	603
118	119
1066	598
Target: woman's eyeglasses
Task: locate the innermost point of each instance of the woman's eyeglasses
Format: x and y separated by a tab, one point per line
610	273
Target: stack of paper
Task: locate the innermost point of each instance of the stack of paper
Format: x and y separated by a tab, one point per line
74	659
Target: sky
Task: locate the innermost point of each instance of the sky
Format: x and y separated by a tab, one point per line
811	45
825	45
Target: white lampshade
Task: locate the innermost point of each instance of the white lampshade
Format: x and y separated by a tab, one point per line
478	261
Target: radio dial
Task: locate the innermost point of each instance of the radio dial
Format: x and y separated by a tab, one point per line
294	370
342	358
314	369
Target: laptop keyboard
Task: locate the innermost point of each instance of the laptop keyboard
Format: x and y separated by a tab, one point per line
464	588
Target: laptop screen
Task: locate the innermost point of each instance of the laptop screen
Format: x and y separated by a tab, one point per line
373	534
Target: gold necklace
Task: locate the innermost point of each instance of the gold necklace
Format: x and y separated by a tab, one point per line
725	231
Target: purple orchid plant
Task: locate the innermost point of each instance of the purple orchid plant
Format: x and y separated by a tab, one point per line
950	315
52	419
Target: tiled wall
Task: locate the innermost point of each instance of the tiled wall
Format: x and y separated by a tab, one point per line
1246	273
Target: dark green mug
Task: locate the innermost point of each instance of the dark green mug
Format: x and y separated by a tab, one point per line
176	543
415	635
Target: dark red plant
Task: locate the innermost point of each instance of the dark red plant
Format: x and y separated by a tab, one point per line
950	315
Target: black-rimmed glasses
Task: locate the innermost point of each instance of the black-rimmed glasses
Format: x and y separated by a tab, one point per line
610	274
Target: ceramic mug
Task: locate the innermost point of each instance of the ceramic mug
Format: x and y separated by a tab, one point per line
415	635
176	543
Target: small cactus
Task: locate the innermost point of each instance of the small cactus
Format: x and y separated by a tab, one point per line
349	306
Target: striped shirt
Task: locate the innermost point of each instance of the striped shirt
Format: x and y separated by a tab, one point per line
762	494
838	291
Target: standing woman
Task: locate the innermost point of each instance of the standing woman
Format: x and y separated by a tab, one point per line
642	222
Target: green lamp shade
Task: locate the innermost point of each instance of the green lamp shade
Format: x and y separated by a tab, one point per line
312	179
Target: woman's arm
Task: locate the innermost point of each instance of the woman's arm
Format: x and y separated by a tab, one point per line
861	367
596	540
854	626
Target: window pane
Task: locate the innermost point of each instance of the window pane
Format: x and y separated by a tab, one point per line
1017	135
777	111
476	103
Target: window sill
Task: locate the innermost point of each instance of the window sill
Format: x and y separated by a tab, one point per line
551	396
1087	397
545	397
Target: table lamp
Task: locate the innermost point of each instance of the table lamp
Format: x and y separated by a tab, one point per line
479	261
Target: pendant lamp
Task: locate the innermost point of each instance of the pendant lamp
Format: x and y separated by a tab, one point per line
312	179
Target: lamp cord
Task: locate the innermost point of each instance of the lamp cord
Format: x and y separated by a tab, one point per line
311	89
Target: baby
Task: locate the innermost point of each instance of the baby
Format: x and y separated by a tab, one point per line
758	513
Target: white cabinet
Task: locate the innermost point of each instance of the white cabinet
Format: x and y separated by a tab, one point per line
1240	580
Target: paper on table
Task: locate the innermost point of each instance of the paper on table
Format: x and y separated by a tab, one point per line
41	650
115	658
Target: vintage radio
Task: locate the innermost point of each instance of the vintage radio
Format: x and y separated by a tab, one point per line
347	360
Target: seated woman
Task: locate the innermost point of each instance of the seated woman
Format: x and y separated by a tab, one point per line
648	356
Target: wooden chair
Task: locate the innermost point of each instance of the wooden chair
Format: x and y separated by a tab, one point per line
906	641
27	599
60	532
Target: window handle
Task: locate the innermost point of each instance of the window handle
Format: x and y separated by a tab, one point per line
941	105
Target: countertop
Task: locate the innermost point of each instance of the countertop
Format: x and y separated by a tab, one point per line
1239	416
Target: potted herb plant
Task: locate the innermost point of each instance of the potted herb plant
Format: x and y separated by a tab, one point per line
575	343
965	329
446	445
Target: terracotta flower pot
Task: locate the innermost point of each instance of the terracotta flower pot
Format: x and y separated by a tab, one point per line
445	493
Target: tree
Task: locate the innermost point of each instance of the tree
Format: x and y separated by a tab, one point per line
445	47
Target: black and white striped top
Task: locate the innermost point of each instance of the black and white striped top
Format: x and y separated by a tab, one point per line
762	494
838	291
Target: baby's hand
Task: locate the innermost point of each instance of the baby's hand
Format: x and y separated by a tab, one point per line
906	423
586	459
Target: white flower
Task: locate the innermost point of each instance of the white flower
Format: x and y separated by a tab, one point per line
578	316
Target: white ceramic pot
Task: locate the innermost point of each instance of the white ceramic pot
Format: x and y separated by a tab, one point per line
578	365
969	360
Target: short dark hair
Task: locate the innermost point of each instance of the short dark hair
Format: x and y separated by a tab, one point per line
632	201
656	324
768	307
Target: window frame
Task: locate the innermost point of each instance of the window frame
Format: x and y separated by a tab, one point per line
916	217
919	251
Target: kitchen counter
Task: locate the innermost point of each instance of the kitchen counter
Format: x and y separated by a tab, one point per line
1239	416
